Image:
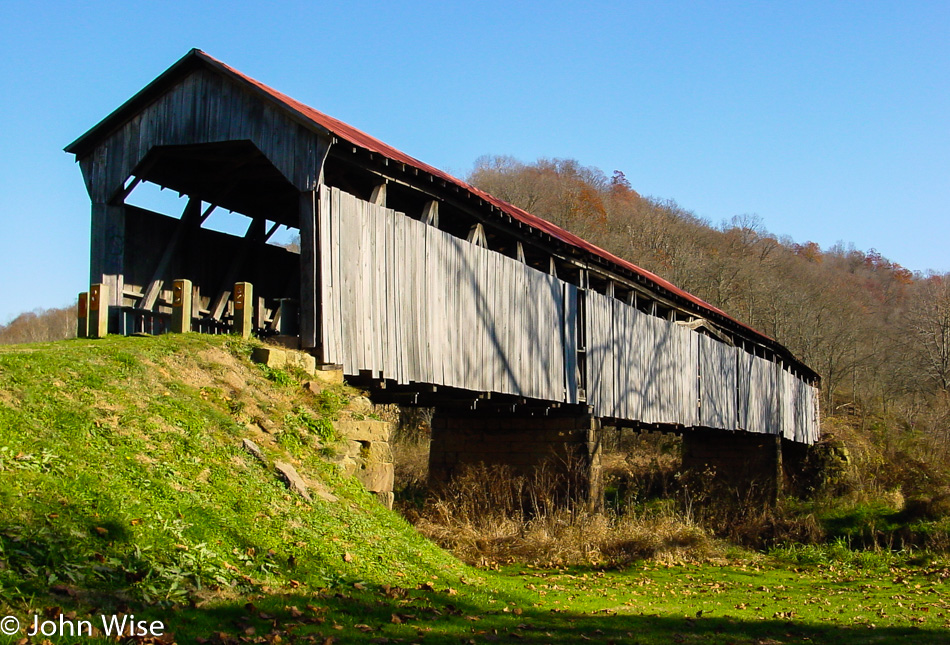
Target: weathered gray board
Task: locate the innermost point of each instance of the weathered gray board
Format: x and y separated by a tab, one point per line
645	368
640	366
411	303
204	107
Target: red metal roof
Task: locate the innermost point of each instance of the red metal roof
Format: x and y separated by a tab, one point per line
372	144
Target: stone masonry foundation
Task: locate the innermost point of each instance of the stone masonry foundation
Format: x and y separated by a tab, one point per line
748	464
569	446
367	455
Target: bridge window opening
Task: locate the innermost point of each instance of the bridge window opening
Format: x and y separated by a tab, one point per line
643	303
224	221
504	244
621	293
536	258
454	221
155	198
287	237
348	177
570	273
597	283
405	200
492	239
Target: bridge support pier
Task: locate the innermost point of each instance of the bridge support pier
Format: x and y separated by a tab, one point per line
747	464
568	446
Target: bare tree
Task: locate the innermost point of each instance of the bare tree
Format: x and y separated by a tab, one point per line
39	326
929	324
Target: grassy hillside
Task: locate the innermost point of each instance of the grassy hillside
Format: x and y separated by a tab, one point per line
123	480
125	489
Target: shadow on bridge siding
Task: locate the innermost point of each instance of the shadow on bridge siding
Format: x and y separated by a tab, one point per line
530	363
637	368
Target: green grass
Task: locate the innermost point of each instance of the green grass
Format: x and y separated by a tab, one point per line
124	488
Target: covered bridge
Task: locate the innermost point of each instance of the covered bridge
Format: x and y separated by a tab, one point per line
424	289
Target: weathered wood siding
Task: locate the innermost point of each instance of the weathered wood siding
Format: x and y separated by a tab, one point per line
718	383
205	108
640	366
652	370
411	303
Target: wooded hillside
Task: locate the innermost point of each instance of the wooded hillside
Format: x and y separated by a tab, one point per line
878	334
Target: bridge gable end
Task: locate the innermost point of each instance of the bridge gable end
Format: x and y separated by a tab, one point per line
203	106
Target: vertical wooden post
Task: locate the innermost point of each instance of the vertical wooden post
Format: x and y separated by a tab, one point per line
181	306
379	195
107	266
243	309
309	272
98	310
195	302
82	329
260	312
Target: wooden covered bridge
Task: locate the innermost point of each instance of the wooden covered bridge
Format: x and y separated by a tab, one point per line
427	291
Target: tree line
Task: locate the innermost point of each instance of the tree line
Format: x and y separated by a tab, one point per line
877	333
40	326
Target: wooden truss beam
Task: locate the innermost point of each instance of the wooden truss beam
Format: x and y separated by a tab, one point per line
191	218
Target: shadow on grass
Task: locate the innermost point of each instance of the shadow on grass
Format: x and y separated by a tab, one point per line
435	617
394	615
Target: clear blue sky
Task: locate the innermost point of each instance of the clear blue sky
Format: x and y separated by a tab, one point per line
831	121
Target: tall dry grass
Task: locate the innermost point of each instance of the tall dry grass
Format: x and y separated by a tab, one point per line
491	514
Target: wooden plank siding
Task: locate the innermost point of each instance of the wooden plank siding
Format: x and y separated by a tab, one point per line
411	303
652	370
205	108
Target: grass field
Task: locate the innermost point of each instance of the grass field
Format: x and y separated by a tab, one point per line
125	490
